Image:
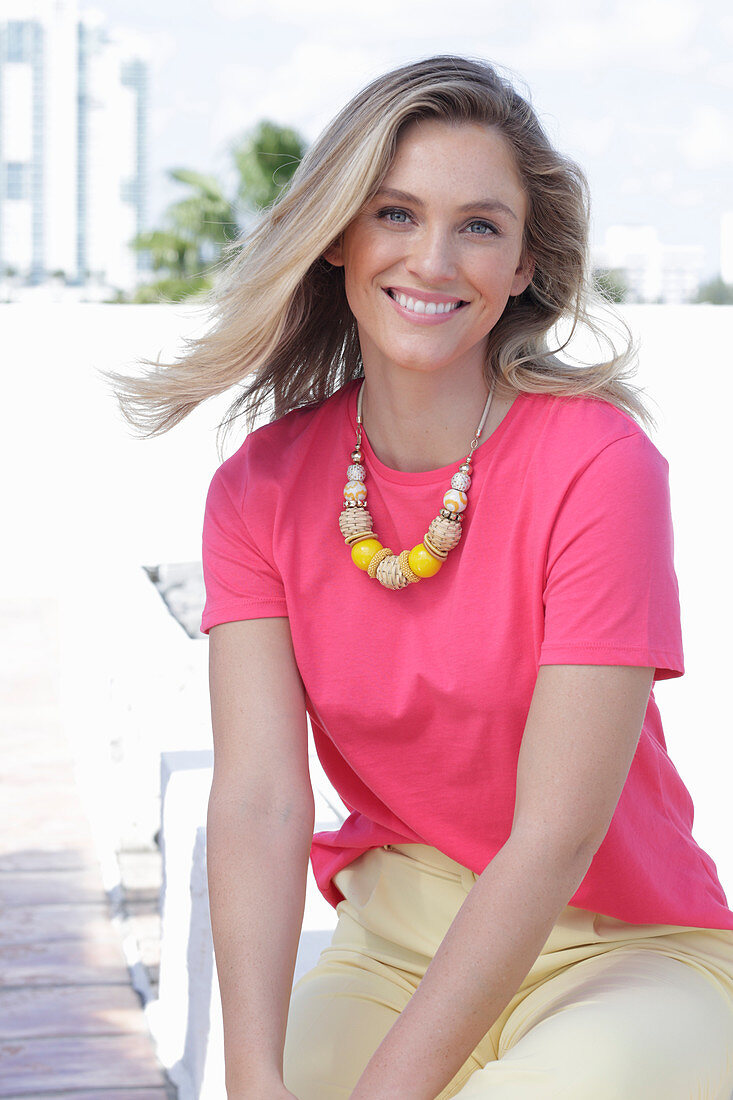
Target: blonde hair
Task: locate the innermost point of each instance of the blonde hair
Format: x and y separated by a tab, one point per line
282	320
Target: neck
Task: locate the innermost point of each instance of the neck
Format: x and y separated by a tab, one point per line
416	422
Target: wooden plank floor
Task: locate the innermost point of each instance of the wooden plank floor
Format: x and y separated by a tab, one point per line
71	1024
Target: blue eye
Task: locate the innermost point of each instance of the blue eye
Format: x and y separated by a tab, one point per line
485	229
396	217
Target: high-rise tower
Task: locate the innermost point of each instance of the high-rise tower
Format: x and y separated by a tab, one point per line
73	125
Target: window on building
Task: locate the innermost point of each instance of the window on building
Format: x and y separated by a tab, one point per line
17	180
18	41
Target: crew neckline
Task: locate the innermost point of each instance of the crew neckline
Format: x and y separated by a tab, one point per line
426	477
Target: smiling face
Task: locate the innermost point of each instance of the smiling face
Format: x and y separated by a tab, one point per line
431	260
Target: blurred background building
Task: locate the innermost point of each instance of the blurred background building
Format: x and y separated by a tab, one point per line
73	147
651	271
726	246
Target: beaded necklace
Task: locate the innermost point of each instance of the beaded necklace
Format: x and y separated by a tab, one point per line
443	535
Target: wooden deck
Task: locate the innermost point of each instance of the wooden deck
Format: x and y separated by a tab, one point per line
71	1024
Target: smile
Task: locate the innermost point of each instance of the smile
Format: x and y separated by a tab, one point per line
420	307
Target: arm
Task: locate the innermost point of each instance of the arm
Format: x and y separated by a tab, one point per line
579	740
259	831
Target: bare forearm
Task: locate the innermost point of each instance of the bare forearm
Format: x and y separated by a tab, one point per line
483	959
257	861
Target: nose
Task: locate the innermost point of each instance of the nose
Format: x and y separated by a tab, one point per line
432	255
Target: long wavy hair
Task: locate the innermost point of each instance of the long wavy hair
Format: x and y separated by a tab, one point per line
283	333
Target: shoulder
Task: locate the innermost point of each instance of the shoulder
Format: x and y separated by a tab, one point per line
572	433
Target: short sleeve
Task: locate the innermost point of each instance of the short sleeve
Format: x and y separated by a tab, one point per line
611	594
240	579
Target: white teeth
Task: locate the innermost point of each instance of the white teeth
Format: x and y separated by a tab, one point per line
416	305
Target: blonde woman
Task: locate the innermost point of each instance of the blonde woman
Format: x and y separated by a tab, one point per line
473	624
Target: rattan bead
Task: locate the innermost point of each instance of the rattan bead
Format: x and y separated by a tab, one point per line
378	557
404	560
389	573
354	521
444	533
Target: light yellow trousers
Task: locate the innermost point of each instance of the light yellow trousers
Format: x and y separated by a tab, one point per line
609	1010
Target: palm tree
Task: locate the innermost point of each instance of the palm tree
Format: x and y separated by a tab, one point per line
187	249
266	159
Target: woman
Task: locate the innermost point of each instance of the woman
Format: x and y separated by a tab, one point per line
522	909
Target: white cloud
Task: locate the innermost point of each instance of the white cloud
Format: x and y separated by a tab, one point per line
708	140
590	136
654	34
295	92
408	19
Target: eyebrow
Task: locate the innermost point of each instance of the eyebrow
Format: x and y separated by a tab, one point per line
479	204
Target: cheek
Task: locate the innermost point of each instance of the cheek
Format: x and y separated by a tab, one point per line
497	278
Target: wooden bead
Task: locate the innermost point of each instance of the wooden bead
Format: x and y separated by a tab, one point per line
455	501
381	554
433	549
353	539
422	562
355	490
364	551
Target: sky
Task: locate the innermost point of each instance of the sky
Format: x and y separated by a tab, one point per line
639	92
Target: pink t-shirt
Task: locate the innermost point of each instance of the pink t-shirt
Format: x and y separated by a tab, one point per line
418	698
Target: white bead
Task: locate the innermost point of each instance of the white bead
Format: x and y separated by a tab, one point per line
356	472
355	490
461	481
455	501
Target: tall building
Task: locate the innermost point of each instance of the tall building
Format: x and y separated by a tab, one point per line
652	271
73	159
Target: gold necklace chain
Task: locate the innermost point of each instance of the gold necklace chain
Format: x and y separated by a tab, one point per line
443	535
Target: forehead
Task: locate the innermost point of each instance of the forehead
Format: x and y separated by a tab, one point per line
463	155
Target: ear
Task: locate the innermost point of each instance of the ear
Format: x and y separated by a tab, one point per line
334	253
522	276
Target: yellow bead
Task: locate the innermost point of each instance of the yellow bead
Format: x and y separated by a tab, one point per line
363	552
422	562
